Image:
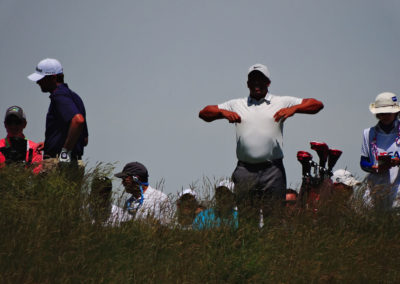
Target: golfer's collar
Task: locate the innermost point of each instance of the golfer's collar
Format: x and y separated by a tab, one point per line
253	101
60	85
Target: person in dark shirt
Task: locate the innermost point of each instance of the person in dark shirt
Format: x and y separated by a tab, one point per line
66	128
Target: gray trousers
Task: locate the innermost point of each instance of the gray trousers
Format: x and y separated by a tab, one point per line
258	186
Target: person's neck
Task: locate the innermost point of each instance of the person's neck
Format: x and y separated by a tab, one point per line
387	128
56	86
20	135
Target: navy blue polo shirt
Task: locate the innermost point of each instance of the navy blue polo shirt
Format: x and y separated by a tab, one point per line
64	105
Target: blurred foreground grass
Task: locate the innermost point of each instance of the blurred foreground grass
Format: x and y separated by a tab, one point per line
46	238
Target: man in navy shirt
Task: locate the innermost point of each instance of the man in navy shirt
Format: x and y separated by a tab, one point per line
66	129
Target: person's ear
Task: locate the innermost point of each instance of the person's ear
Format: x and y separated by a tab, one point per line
25	123
248	86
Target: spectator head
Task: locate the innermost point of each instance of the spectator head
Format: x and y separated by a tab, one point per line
101	187
100	198
224	197
187	206
133	176
15	121
344	182
386	108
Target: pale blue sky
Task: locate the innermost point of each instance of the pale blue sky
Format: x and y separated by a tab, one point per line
146	68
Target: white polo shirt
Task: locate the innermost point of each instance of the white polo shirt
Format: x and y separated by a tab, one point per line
258	137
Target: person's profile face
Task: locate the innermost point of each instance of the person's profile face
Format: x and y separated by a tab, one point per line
130	185
47	83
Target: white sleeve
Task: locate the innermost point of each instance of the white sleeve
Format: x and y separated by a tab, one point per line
290	101
365	151
162	209
227	105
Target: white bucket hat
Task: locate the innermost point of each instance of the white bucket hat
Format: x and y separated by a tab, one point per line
385	103
345	177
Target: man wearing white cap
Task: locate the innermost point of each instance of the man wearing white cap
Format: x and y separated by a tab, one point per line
380	152
259	176
66	129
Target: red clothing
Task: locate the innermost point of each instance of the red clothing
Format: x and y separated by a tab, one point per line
36	156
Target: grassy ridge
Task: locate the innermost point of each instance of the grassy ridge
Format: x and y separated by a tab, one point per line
47	237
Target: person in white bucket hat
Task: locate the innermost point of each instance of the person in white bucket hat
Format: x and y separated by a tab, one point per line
380	152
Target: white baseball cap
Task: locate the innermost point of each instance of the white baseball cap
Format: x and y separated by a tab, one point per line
48	66
385	103
187	191
261	68
345	177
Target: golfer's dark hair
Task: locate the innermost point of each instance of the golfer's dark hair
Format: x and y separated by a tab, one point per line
60	78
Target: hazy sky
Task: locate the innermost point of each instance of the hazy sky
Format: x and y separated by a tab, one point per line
144	70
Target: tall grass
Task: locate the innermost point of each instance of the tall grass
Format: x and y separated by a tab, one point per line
47	237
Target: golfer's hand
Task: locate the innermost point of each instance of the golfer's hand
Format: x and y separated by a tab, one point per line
65	156
284	113
231	116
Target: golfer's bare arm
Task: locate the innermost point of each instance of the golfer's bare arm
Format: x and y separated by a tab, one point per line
75	130
213	112
309	106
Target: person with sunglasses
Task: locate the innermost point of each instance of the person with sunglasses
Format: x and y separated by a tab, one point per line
16	148
259	177
145	202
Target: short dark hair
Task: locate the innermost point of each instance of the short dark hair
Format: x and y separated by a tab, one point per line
187	198
60	78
